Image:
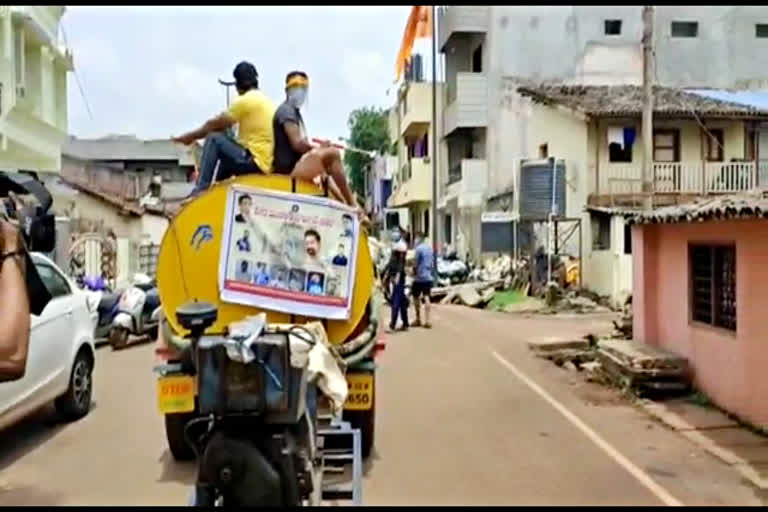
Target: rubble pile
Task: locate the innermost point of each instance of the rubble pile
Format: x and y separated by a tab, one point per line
576	300
623	327
630	365
474	295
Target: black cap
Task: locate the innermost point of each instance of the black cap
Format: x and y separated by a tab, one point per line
245	74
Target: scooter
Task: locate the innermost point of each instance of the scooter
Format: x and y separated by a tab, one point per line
138	311
102	304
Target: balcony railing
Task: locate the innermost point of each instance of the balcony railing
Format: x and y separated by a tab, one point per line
681	178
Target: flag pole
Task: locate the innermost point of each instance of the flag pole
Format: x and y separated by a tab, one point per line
435	147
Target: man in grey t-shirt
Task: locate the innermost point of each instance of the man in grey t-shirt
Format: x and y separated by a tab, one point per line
294	154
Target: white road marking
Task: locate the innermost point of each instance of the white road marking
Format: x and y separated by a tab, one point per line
621	460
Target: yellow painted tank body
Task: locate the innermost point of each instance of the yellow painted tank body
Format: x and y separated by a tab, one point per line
188	271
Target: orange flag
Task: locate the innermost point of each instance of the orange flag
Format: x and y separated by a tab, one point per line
419	25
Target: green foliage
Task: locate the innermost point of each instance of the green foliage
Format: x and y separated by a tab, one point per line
369	130
504	298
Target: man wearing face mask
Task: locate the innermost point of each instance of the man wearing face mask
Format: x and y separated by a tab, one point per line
253	150
294	154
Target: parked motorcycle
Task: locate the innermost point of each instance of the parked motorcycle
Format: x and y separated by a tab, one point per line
138	311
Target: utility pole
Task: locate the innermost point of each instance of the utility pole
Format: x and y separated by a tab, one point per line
435	146
647	107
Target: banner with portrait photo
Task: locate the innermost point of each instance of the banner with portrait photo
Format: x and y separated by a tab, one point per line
288	252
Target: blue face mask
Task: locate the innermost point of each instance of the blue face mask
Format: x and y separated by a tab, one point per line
297	96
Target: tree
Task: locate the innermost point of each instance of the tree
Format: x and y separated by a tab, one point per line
369	130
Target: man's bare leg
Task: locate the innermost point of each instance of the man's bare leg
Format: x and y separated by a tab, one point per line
328	161
417	307
427	306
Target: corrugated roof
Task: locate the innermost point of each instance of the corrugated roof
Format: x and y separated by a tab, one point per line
757	99
627	100
127	148
732	207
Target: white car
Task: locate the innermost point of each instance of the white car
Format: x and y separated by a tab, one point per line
61	354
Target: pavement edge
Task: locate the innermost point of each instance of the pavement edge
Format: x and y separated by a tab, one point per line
679	425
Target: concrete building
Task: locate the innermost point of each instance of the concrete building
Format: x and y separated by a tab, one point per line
412	132
489	129
33	88
122	185
124	166
595	132
700	283
382	170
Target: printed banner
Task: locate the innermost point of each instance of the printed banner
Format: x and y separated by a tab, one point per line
288	252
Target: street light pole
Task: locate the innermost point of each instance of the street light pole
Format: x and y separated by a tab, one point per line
227	85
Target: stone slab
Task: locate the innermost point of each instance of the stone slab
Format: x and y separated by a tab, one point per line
553	344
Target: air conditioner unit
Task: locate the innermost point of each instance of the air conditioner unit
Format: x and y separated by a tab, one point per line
20	91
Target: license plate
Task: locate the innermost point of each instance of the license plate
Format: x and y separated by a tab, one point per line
360	397
176	394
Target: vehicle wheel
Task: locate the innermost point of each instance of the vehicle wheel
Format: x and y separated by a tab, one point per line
153	333
118	337
174	432
366	422
76	402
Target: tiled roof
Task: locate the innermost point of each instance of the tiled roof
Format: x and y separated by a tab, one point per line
733	207
627	100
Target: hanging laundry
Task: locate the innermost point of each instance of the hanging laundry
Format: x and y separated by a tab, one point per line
629	136
616	135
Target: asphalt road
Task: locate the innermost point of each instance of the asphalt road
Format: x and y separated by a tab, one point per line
465	416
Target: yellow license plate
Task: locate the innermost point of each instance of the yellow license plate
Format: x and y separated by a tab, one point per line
360	397
176	394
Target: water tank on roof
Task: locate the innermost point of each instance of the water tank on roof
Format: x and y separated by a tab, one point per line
538	180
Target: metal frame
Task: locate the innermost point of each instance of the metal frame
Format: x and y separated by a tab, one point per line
556	221
335	492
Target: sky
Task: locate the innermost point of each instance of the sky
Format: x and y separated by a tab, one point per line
152	71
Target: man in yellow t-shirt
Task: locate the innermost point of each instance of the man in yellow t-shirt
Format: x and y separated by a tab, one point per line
253	150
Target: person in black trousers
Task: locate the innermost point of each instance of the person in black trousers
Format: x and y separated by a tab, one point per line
397	272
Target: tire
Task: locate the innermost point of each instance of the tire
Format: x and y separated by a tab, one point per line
118	337
152	332
174	433
76	402
366	422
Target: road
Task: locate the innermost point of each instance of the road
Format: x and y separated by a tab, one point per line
465	417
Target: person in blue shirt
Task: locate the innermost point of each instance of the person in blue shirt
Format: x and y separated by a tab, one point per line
262	277
244	244
315	285
423	279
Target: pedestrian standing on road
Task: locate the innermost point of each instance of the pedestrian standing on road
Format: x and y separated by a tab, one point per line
397	272
423	279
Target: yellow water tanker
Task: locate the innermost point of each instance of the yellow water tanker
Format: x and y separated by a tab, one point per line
188	264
